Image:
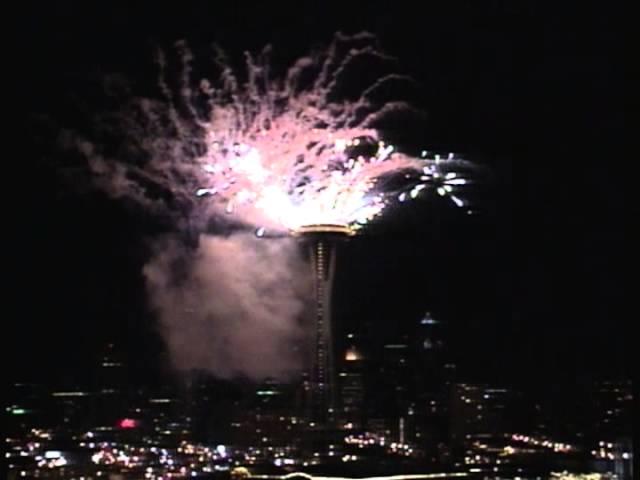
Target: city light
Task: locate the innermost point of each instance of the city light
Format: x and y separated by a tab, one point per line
127	423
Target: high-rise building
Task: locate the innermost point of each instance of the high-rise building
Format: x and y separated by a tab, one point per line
207	407
611	409
110	403
351	383
411	388
27	407
479	409
265	417
433	376
428	344
391	390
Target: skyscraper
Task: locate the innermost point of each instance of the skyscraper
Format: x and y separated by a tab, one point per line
110	403
433	382
611	406
479	409
352	386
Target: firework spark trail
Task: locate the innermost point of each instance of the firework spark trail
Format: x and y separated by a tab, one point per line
277	153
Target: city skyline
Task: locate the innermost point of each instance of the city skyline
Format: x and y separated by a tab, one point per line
524	287
382	425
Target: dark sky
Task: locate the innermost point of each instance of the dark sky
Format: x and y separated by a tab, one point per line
530	287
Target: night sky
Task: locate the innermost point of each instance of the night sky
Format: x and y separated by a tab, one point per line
530	287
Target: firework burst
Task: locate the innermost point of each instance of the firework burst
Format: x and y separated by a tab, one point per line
278	153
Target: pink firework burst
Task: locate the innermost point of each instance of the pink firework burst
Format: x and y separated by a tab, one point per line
277	153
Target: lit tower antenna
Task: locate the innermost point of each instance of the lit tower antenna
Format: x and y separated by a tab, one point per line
322	240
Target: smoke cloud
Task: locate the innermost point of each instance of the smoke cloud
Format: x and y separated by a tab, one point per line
233	307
